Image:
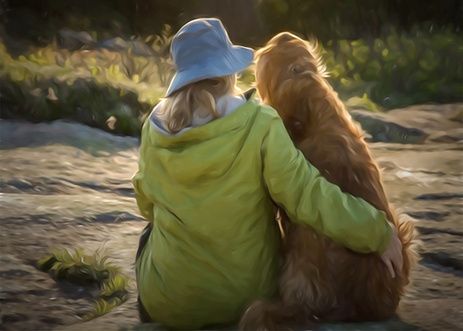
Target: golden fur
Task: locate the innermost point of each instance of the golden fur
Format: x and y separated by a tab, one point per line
321	280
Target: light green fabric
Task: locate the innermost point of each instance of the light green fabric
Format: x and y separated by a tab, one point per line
215	245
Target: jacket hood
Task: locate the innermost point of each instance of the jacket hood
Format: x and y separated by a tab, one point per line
202	152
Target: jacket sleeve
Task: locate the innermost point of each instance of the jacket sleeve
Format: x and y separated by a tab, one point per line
308	198
144	204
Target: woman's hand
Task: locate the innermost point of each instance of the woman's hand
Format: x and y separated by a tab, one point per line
392	256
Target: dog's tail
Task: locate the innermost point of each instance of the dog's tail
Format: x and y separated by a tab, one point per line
408	238
270	316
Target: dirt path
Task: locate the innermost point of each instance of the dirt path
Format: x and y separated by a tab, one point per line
67	185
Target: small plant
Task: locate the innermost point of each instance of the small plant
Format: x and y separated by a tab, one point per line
83	269
102	307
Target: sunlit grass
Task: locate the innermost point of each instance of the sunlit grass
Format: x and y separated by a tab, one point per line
103	306
114	286
84	269
120	70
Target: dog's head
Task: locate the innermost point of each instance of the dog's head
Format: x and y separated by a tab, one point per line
286	69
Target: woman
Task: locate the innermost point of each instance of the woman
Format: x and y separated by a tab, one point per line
212	165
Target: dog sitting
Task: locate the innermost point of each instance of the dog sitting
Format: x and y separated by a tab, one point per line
321	280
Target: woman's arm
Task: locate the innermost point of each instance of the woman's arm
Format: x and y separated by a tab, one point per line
144	204
308	198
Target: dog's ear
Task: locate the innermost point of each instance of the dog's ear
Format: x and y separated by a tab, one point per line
315	49
283	37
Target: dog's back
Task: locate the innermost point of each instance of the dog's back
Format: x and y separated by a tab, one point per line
337	148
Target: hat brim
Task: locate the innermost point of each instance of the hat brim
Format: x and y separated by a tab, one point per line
234	61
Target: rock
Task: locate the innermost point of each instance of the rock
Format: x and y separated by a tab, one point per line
443	259
20	184
389	325
381	129
429	215
458	116
11	318
114	44
429	118
439	196
19	133
450	136
414	125
141	49
113	217
74	40
136	47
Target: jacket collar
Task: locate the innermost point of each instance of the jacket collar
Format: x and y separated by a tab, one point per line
233	121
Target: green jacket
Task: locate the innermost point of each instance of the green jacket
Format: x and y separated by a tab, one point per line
209	192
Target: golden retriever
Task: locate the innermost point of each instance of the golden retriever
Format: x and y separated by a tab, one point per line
320	280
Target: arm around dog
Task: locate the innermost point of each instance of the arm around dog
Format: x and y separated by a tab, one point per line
308	198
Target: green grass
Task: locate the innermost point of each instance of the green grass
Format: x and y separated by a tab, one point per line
84	269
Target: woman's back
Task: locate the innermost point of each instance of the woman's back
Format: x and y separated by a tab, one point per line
215	231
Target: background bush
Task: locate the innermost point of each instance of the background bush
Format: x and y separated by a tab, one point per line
399	69
104	89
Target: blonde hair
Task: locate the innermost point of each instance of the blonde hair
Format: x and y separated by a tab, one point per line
176	111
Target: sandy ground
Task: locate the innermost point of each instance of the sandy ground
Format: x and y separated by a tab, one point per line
67	185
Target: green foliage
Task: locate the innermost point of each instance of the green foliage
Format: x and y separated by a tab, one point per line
246	79
83	269
400	69
76	266
115	90
114	287
161	46
102	307
119	70
89	87
362	102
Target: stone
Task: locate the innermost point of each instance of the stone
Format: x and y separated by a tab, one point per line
74	40
136	47
114	44
139	48
449	136
381	129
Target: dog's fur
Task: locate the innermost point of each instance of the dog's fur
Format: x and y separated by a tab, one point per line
321	280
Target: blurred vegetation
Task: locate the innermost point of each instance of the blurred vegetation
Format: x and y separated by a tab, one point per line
381	54
105	89
400	69
359	19
89	270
